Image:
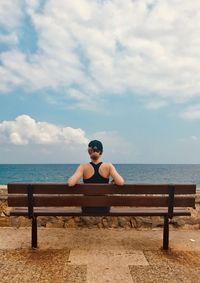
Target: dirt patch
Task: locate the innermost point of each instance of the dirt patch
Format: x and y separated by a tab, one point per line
164	274
171	257
39	266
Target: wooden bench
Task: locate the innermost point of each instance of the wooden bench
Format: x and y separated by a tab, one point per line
57	199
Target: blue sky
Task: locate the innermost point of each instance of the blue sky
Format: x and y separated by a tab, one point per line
124	72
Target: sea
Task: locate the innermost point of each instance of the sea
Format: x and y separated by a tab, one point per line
132	173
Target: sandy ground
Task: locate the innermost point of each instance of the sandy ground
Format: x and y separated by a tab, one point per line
95	255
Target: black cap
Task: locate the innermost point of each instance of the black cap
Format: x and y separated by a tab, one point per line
96	145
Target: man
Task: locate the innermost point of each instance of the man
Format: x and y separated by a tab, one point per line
95	172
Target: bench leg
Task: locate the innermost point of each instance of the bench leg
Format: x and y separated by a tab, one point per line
34	232
166	233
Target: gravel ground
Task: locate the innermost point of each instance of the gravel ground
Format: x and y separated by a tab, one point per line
169	266
95	255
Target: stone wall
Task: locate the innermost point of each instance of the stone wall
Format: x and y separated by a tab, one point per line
183	222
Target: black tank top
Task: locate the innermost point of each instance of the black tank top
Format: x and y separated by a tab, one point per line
96	178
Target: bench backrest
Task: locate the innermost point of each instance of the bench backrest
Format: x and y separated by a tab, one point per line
138	195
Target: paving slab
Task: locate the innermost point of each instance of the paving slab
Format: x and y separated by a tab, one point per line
100	262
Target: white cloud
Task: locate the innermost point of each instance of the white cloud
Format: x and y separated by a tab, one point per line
154	105
192	113
86	101
10	13
194	138
27	140
107	47
9	38
25	130
189	139
116	148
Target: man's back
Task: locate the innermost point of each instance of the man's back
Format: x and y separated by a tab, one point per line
96	172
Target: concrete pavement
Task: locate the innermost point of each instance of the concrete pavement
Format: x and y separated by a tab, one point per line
99	255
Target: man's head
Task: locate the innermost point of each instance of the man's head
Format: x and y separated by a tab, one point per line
95	149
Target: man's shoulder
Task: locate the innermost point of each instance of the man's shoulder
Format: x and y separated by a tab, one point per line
107	164
84	165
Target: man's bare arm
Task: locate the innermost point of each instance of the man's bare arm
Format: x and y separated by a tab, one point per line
117	178
73	180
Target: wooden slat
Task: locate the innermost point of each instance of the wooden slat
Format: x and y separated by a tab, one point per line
100	189
120	211
59	200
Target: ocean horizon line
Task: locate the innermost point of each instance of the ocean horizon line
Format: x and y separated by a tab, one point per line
134	172
117	163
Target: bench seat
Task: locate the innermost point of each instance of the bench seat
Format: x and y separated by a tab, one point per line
114	211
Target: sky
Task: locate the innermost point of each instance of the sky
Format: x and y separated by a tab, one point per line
123	72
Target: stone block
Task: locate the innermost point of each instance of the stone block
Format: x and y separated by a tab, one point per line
89	221
23	221
124	222
157	221
70	223
5	222
57	224
143	222
105	223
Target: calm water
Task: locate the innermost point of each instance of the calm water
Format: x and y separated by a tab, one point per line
150	173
